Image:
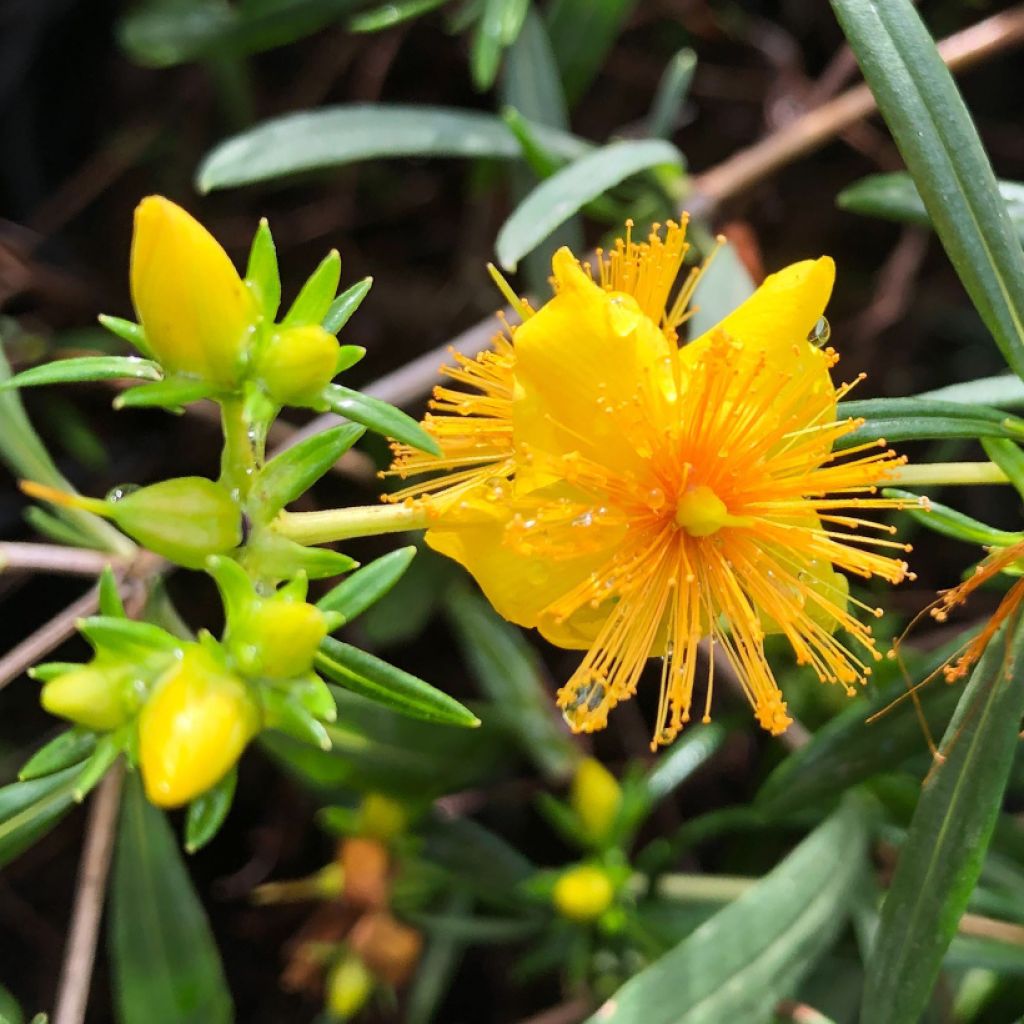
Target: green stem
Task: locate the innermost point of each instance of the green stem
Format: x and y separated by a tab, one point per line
238	459
950	473
704	888
343	523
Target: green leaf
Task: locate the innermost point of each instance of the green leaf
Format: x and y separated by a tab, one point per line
282	558
10	1010
27	457
126	638
948	836
920	102
498	27
754	952
1008	456
174	394
379	417
723	286
557	198
341	309
108	749
694	748
380	18
207	812
126	330
335	136
289	716
111	605
532	94
348	356
289	475
671	94
895	197
373	748
371	677
165	963
85	368
28	810
582	34
850	748
317	294
916	419
262	274
951	523
1005	389
437	966
71	747
161	35
510	673
368	585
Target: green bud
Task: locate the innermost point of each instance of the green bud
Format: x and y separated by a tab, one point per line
278	638
185	520
349	986
296	362
91	696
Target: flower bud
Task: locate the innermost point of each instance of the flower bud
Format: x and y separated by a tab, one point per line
89	696
389	948
195	309
193	728
296	362
381	818
278	638
595	796
185	520
583	893
349	985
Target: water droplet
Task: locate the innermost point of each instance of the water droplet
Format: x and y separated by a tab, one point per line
121	491
586	519
820	333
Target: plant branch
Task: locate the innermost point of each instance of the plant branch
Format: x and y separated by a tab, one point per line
344	523
80	952
949	473
56	558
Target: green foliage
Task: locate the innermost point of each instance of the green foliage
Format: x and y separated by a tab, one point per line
165	962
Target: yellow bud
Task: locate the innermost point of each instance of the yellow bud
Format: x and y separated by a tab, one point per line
279	638
583	893
349	985
595	796
88	696
297	362
381	818
193	728
196	311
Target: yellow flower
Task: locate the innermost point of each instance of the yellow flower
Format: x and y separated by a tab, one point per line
196	311
596	797
629	496
193	728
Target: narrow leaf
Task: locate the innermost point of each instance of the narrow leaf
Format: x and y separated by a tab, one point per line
1007	455
371	677
165	963
379	18
913	419
754	952
317	294
341	309
663	119
1005	389
948	837
71	747
556	199
895	197
289	475
951	523
85	368
207	813
126	330
368	585
920	102
510	673
28	810
379	417
262	273
335	136
174	394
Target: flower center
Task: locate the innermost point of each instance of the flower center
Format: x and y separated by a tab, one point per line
701	512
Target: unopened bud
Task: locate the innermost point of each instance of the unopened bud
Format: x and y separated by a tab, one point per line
193	728
195	309
186	520
583	893
278	638
296	362
596	797
389	948
89	696
349	985
381	818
